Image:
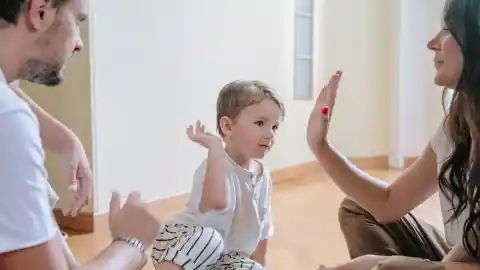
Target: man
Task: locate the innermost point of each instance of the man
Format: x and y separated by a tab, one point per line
37	38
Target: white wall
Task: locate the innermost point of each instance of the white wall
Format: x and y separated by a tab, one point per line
416	101
388	104
357	41
151	83
158	65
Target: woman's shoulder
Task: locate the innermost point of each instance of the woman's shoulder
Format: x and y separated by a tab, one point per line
440	143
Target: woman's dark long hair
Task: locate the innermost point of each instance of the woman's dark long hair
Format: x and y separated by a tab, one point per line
460	174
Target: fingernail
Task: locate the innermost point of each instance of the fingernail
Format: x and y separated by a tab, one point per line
325	110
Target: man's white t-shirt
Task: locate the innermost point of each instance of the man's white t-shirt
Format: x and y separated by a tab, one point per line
248	216
26	197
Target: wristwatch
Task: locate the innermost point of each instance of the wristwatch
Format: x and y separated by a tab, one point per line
134	242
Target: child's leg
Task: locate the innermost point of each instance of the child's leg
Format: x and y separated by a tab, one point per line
236	261
186	247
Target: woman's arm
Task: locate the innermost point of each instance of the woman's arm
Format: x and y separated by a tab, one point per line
461	266
458	254
385	202
375	262
402	263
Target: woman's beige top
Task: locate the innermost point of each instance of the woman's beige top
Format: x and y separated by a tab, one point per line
443	147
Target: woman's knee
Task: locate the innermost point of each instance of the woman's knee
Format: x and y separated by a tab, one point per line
349	210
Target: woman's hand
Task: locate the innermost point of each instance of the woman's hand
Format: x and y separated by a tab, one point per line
366	262
321	114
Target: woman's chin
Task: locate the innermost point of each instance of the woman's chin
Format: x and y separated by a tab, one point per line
438	80
444	81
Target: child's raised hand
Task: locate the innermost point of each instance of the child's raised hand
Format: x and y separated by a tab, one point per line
206	139
321	114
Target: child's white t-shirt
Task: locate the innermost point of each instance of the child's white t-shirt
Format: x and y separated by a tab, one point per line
247	219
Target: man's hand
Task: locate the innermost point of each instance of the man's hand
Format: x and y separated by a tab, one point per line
132	219
77	171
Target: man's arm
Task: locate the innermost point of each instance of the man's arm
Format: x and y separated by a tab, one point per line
61	140
67	252
29	238
48	256
50	127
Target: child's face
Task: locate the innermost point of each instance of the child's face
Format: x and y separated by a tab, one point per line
253	132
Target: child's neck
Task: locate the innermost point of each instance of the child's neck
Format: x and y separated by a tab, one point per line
240	159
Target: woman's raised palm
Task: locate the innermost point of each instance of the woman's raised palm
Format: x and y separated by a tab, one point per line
321	114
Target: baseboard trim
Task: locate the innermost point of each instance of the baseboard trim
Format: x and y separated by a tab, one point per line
82	223
88	222
296	171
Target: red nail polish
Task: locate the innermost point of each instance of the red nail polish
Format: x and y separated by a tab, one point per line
325	110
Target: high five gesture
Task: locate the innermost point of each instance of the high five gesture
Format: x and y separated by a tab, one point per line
321	114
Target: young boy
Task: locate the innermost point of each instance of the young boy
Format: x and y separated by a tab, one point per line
227	220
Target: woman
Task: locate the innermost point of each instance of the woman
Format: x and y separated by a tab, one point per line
376	221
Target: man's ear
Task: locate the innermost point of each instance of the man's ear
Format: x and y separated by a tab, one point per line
226	125
39	14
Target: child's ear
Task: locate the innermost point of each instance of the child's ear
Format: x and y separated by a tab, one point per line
226	125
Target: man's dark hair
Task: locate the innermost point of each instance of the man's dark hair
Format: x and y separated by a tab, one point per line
10	10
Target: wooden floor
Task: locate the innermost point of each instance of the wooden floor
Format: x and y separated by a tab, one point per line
305	216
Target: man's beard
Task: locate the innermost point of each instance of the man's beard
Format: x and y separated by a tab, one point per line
42	72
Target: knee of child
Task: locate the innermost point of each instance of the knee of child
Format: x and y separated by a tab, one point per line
258	266
216	242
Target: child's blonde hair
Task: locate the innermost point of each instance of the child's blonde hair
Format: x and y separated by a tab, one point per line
237	95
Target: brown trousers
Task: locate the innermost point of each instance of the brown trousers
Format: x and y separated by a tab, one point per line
409	237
